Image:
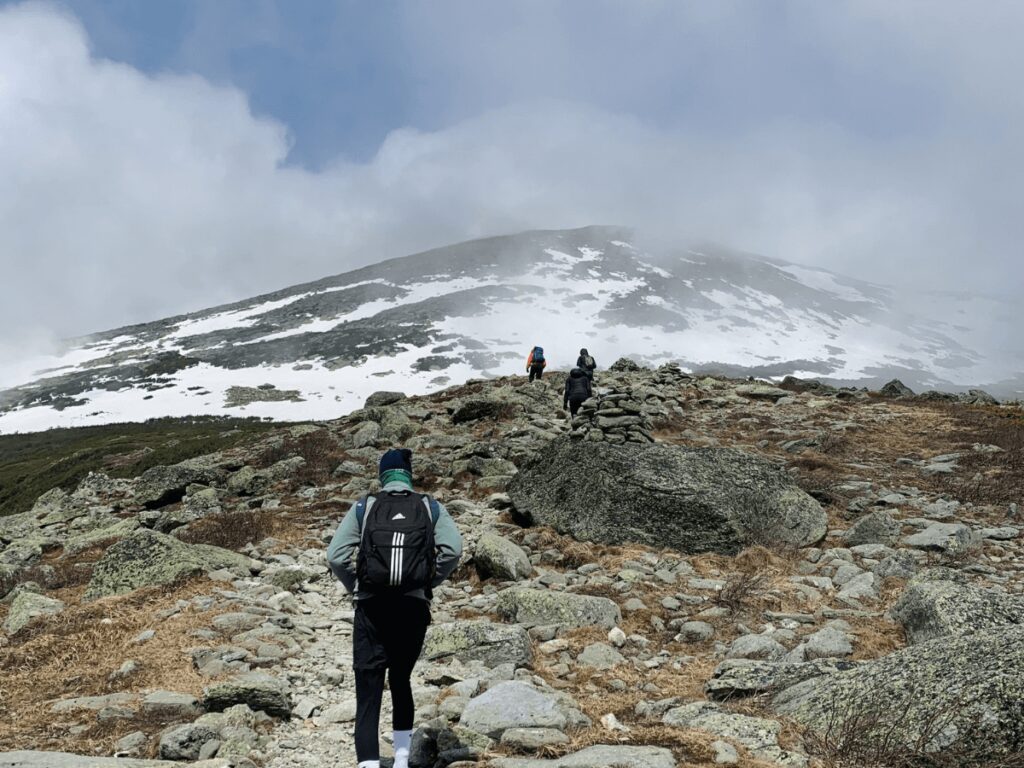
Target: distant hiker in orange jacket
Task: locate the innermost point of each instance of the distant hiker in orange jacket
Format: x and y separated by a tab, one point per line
535	363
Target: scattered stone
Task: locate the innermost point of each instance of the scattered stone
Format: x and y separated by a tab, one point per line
258	691
533	607
498	557
492	644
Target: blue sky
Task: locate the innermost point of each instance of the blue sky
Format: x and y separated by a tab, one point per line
254	144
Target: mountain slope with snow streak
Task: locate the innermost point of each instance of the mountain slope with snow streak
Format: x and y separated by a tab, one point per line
474	309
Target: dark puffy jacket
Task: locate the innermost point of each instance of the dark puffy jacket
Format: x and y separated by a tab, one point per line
577	386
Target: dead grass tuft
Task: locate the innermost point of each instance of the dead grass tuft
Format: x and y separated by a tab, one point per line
73	654
234	529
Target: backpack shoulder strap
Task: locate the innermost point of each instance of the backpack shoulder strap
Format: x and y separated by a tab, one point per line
361	506
433	507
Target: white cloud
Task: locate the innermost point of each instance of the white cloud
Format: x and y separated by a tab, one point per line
128	197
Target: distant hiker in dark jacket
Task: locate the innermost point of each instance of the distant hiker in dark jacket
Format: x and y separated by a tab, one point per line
577	389
391	584
586	362
535	363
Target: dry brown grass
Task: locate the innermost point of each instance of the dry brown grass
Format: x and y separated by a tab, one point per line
234	529
72	654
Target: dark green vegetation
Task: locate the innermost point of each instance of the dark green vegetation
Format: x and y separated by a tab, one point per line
34	463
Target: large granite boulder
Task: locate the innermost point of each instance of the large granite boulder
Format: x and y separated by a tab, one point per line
147	558
950	691
690	499
538	607
492	644
940	608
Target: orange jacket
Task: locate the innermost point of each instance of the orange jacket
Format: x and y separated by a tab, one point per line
529	361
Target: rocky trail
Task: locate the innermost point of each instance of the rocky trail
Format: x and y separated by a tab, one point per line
692	572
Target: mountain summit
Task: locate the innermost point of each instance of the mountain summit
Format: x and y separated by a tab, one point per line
474	309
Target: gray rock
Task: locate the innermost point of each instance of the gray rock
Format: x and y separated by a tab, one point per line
183	742
492	644
534	607
147	558
512	704
965	689
383	398
532	739
171	705
741	677
931	609
162	485
896	388
248	481
690	499
827	643
257	690
876	528
27	606
478	408
600	656
760	736
600	756
696	631
755	647
496	556
942	537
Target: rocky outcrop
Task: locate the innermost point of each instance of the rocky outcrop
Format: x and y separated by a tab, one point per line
940	608
162	485
258	691
953	690
146	558
691	499
483	641
737	678
540	607
27	606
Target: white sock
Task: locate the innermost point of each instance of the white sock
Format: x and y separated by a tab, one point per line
402	741
370	764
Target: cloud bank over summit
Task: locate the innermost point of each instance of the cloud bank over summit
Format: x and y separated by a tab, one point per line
875	140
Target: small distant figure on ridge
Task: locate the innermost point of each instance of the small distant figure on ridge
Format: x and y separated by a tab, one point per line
586	362
577	389
535	363
390	551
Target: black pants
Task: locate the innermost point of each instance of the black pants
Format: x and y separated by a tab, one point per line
387	636
536	372
574	405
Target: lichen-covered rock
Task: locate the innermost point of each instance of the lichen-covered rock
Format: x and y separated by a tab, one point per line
147	558
478	408
599	756
257	690
492	644
248	481
24	759
162	484
875	528
116	530
183	742
533	607
496	556
940	608
27	606
690	499
759	735
951	538
966	689
736	678
378	399
513	704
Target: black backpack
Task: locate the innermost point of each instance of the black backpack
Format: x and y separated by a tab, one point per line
396	549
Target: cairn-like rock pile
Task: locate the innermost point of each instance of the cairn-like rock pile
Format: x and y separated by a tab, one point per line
616	417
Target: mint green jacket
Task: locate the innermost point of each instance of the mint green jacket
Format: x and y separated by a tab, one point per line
341	552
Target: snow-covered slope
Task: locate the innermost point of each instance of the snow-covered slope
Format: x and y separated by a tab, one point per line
474	309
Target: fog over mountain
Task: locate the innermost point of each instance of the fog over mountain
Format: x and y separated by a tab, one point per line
145	181
474	309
